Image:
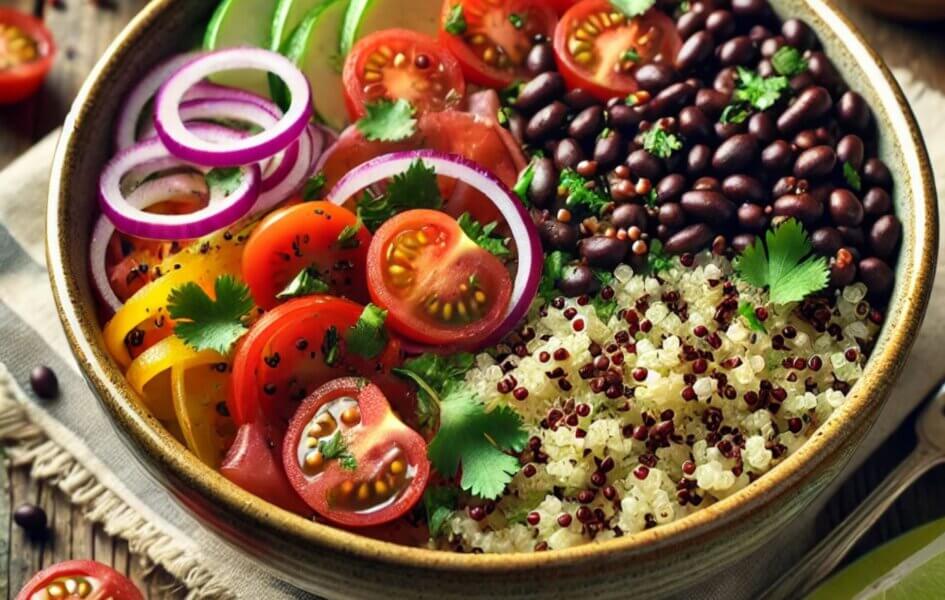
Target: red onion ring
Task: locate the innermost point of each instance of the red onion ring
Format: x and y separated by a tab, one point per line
183	144
309	148
146	195
524	233
151	156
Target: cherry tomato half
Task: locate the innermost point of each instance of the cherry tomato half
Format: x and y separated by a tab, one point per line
399	63
76	579
26	55
439	287
599	49
561	6
497	37
351	459
315	235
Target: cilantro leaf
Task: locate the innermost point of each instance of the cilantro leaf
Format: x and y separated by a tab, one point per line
348	236
780	264
734	113
788	61
455	21
432	373
368	336
414	188
477	440
313	188
306	283
440	502
226	179
210	324
524	182
630	55
335	447
661	143
760	92
652	198
632	8
517	20
852	176
482	235
746	310
388	121
657	260
551	272
579	196
604	308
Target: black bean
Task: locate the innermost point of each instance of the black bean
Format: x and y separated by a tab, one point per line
579	99
742	241
540	59
826	241
885	235
850	149
568	154
853	111
690	22
799	34
852	236
777	157
608	150
738	51
877	276
751	217
698	160
712	102
707	183
753	8
693	123
726	130
805	140
690	239
577	280
624	118
801	81
31	518
721	24
786	185
736	153
725	80
842	273
626	216
803	207
653	77
587	124
708	206
44	382
845	208
517	125
695	50
546	122
876	173
758	33
540	91
644	164
770	46
672	216
671	99
822	70
604	252
815	162
557	235
743	188
670	188
761	125
811	104
876	202
544	185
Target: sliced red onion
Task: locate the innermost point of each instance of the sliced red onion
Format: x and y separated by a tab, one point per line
182	142
146	195
524	233
150	157
309	149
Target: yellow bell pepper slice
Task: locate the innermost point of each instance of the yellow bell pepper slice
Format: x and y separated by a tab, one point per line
200	386
150	373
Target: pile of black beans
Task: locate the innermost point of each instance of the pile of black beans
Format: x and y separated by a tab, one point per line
730	181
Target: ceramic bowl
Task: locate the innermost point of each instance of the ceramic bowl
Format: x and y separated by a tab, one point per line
337	563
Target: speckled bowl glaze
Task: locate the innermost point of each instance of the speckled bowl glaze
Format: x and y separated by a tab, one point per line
336	563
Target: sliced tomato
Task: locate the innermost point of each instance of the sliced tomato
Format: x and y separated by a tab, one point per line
439	287
561	6
26	55
79	579
254	463
497	38
599	49
351	459
318	236
399	63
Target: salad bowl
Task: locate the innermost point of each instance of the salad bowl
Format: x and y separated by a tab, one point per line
337	563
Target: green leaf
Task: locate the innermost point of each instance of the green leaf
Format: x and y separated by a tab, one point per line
788	61
210	324
312	190
368	336
331	349
482	235
852	176
551	272
477	440
747	310
414	188
440	503
780	264
630	55
306	283
455	23
656	259
652	199
760	92
632	8
517	20
432	373
579	196
734	113
604	308
388	121
661	143
524	181
348	236
335	448
227	180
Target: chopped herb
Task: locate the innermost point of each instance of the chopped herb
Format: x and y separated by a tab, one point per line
660	143
631	99
330	346
503	115
482	235
852	176
760	92
334	448
510	93
684	6
747	310
788	61
579	196
735	113
227	180
551	272
656	259
210	324
604	276
605	309
524	182
455	21
633	8
348	237
368	336
440	502
432	373
306	283
414	188
517	20
782	264
631	55
652	199
388	121
312	190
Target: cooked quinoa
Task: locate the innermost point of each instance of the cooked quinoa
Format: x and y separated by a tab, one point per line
672	404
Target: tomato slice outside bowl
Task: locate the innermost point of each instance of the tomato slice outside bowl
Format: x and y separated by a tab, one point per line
21	76
75	579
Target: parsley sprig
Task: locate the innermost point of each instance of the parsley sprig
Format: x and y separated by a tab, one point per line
455	23
782	263
388	121
661	143
306	283
579	195
788	61
633	8
551	273
227	179
414	188
368	336
431	372
206	323
852	176
483	236
335	448
759	92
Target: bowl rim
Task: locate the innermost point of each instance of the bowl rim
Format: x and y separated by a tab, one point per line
916	273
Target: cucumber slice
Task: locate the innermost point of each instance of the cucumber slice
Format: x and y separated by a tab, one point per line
287	16
368	16
314	48
241	23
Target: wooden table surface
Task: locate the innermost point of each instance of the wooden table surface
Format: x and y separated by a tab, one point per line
83	29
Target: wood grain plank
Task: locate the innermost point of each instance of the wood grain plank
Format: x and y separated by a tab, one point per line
6	526
25	553
83	535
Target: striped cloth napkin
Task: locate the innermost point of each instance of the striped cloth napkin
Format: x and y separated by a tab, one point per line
71	442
